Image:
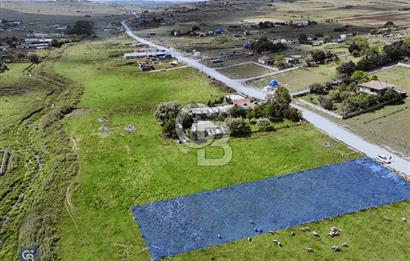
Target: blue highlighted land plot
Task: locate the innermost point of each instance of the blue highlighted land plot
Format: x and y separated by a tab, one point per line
204	219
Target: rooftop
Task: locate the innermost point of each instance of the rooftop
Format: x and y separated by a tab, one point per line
377	85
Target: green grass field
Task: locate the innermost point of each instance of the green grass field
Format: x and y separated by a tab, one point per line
299	79
244	71
119	170
41	164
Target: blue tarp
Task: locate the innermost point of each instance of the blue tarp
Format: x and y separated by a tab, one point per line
164	56
204	219
273	84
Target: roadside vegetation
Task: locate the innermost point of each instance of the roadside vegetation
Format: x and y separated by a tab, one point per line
376	57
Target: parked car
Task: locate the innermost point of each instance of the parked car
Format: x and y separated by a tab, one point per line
383	159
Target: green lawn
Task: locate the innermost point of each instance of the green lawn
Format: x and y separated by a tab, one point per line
119	170
299	79
244	71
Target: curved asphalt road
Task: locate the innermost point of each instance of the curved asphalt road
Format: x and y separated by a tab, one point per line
330	128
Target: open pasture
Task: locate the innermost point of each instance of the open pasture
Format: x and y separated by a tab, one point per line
119	170
244	71
210	218
299	79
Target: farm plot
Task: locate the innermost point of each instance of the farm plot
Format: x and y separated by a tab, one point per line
246	70
376	19
199	220
299	79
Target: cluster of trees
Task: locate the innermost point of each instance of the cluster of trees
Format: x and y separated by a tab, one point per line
56	43
166	115
347	94
321	57
390	54
81	27
10	41
277	108
278	60
350	100
238	126
265	45
268	24
357	102
359	47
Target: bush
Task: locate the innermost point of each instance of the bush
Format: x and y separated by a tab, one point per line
81	27
390	95
167	111
264	124
317	88
34	59
166	114
169	129
237	111
195	28
358	101
238	127
263	45
326	102
257	112
55	43
318	56
303	39
358	47
359	77
347	68
293	115
334	95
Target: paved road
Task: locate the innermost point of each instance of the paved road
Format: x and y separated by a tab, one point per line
353	140
320	122
234	84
